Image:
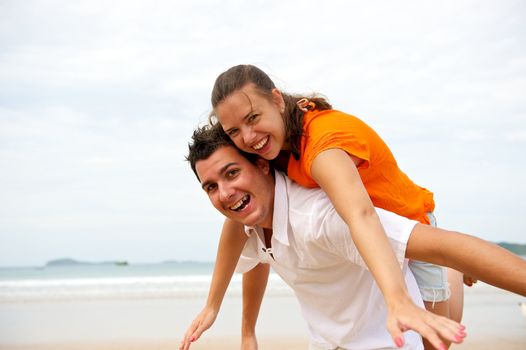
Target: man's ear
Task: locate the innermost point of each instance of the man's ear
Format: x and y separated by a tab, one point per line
264	165
277	97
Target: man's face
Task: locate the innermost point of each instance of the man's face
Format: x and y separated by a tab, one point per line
239	189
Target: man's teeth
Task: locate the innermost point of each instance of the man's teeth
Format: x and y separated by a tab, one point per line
240	204
260	144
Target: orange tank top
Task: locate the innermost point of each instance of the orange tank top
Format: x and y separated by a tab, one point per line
388	187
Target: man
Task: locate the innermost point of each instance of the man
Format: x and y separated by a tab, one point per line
299	234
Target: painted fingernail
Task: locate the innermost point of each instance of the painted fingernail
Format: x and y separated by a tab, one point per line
458	338
462	327
192	339
442	347
399	342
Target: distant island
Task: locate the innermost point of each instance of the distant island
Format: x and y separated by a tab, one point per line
519	249
74	262
516	248
69	262
193	262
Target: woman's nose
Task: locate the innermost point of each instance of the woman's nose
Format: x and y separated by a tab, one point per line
249	136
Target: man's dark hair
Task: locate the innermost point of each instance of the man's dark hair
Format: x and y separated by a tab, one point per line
206	140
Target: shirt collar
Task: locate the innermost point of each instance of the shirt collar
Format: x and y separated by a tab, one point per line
280	218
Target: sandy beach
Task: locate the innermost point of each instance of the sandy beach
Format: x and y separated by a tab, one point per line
492	317
229	344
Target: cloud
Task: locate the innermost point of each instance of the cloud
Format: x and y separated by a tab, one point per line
98	101
472	135
518	136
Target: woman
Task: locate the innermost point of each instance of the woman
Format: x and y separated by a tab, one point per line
318	146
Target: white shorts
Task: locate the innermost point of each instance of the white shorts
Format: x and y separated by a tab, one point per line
431	279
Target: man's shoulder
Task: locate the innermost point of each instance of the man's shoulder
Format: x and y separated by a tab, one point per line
297	195
314	222
310	205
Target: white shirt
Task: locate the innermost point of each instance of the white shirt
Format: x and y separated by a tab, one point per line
312	251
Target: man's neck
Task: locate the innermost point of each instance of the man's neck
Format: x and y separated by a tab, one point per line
268	237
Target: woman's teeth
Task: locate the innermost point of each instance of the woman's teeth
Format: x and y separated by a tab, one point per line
260	144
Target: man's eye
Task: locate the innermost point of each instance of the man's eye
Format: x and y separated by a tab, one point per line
210	188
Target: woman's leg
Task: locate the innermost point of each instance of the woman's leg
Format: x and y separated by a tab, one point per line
456	300
435	283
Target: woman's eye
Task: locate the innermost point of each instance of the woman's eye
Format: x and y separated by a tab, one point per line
252	118
232	132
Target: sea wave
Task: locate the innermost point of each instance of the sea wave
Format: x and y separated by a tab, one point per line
71	289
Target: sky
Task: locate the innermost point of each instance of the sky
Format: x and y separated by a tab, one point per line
98	100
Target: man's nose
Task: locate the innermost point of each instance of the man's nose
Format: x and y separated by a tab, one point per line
225	192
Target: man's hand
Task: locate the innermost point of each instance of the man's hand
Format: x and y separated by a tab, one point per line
201	323
469	280
405	315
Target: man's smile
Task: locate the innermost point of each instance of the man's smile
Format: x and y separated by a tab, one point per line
241	204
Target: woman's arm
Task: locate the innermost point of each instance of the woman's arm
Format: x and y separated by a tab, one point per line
231	243
336	173
483	260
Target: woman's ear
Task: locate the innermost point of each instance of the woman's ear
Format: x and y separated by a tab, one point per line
277	97
264	165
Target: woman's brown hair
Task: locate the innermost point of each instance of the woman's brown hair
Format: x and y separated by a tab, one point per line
237	77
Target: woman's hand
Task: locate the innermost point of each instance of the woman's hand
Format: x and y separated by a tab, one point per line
405	315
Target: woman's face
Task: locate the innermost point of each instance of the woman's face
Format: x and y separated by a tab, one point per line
253	121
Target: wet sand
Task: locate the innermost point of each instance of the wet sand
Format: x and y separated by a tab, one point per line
492	317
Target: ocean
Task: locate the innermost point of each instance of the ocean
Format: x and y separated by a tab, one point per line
110	281
140	302
111	303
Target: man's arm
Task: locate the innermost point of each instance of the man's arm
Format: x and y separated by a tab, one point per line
254	285
231	243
